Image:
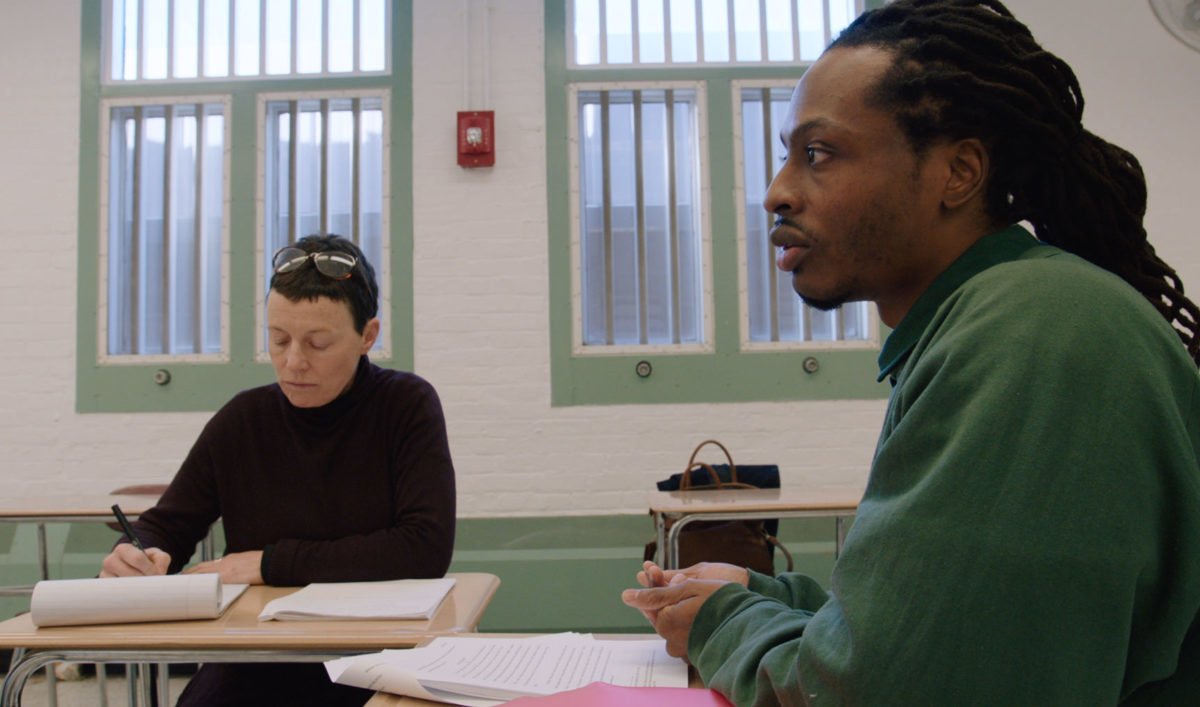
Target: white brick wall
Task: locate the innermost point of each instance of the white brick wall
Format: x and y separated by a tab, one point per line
480	271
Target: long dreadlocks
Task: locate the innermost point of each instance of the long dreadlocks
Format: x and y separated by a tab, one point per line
968	68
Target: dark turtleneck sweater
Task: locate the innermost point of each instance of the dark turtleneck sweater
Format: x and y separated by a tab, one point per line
359	489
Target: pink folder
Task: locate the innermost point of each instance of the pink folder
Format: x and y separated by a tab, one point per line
602	694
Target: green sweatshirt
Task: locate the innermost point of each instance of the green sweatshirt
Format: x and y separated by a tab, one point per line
1030	532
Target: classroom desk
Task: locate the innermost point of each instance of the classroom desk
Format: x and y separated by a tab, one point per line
683	507
68	508
237	636
386	699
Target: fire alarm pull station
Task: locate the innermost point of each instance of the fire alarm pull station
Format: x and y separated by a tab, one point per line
476	138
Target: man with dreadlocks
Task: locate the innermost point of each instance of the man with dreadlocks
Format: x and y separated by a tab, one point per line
1030	533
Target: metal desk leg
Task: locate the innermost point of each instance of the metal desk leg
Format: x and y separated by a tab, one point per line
44	564
664	558
102	683
164	684
133	681
145	689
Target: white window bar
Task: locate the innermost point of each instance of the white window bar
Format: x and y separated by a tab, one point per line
672	216
294	39
768	133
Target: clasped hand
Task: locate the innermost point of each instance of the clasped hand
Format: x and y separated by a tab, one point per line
672	598
235	568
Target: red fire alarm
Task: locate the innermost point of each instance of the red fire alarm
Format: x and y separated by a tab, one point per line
476	138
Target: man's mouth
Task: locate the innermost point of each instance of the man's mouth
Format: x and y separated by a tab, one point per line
789	238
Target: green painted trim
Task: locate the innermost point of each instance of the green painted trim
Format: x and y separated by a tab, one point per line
207	386
400	217
727	374
557	573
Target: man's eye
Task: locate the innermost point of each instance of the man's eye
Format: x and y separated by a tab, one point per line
815	155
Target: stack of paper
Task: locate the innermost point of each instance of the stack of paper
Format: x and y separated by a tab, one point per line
175	597
397	599
600	694
478	671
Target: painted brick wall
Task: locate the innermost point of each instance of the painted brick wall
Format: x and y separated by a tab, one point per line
480	270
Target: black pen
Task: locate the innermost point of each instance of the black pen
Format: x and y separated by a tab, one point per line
128	528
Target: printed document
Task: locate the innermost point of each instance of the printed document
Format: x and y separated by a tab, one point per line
479	671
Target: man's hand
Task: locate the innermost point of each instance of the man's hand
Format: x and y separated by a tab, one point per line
127	561
672	609
235	568
654	576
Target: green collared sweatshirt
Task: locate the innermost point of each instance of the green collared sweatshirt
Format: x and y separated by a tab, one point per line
1030	531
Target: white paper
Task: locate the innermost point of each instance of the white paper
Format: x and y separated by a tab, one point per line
175	597
479	671
397	599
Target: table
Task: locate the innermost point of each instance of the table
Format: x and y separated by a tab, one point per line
237	636
683	507
70	508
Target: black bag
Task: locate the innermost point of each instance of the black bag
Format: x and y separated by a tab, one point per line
745	543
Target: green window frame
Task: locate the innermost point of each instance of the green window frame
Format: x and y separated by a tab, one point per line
204	383
725	369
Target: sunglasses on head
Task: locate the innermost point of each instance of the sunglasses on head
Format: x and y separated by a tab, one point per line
330	263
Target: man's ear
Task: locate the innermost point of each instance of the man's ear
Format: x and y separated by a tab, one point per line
968	162
370	333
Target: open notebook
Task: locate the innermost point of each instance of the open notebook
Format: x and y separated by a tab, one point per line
116	600
386	600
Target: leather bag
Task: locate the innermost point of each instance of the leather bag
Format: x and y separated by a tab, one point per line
745	543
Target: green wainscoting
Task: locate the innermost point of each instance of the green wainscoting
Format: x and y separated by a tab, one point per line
558	573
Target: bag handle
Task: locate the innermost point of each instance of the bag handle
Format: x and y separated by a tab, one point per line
686	481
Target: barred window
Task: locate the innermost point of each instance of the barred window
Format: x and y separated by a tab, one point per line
165	229
621	32
188	196
640	216
323	172
180	40
673	291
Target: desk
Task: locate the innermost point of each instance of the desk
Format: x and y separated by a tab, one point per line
237	636
66	509
71	508
683	507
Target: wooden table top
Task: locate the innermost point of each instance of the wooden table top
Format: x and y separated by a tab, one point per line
814	498
72	506
239	628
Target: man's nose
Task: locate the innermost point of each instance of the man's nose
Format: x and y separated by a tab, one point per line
781	197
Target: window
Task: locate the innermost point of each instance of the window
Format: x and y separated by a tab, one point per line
214	132
662	131
642	273
329	179
165	230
